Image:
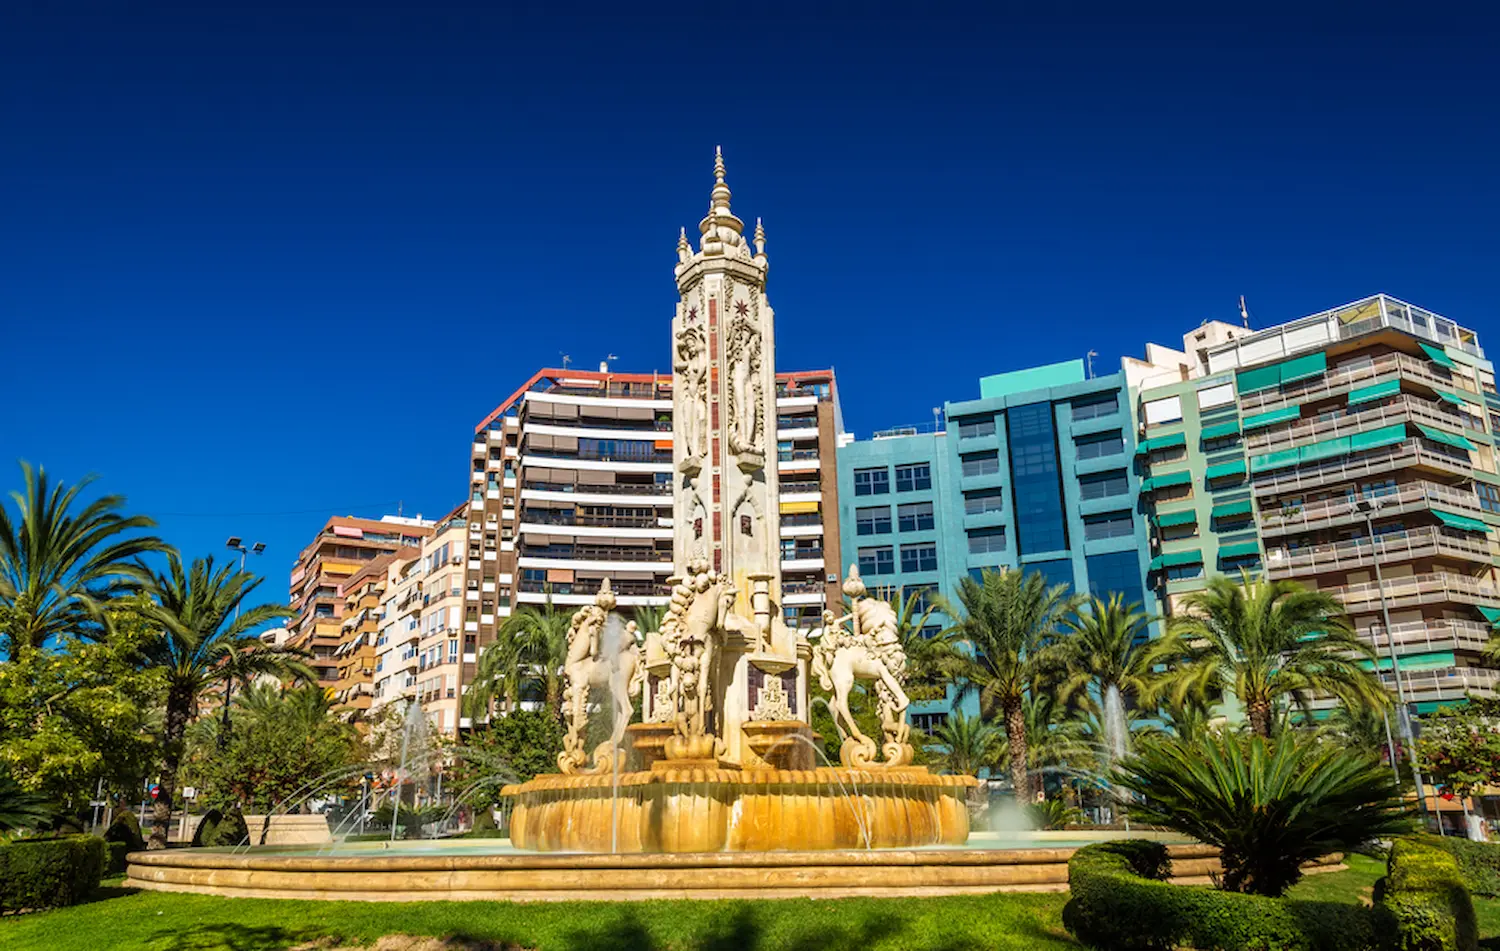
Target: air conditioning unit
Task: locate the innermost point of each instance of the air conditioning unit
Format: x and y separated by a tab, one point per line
831	578
455	561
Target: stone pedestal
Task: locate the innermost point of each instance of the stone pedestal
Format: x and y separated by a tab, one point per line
779	744
649	741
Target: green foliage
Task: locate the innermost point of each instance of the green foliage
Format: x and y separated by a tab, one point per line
221	829
115	858
1053	814
20	809
49	873
1424	892
83	713
411	818
484	821
1270	642
965	744
1268	807
510	749
525	659
1479	861
280	740
126	830
63	563
1120	902
861	707
1106	647
1460	745
930	659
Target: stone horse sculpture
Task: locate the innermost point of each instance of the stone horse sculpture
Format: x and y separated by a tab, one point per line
869	650
593	662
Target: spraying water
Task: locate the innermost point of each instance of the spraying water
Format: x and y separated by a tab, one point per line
1116	729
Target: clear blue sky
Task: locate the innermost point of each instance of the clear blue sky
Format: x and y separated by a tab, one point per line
264	264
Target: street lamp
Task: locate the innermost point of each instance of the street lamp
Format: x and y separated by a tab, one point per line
1369	508
235	543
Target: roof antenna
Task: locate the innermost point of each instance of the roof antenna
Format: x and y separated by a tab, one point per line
1244	312
566	359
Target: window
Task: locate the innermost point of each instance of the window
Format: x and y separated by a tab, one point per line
1102	444
983	541
1168	410
979	463
989	500
1054	571
877	561
921	596
914	517
1108	525
872	520
1489	496
1184	572
1103	485
1210	397
1117	572
974	427
920	557
1036	479
872	481
913	477
928	723
1094	408
1174	493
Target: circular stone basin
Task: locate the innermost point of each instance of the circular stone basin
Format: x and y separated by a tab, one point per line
492	869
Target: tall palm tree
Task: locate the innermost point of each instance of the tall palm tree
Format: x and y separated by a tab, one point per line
965	744
202	636
62	561
528	653
931	657
1272	641
1106	650
1010	621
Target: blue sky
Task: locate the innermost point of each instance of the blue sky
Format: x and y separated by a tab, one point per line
261	264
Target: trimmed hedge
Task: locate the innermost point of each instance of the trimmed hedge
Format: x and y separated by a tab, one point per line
220	829
1121	902
121	838
1479	861
49	873
1424	891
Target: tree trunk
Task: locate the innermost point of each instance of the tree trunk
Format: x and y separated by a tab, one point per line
1259	712
1015	729
178	704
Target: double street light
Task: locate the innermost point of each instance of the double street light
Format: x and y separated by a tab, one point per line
235	543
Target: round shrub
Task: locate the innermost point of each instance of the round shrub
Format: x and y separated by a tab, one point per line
125	829
221	829
49	873
1424	891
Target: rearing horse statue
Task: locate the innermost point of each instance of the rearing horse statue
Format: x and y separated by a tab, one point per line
869	650
592	661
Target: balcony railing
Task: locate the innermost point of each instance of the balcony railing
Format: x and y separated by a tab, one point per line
1289	517
797	455
1399	409
1451	682
1435	634
615	488
1436	587
595	553
801	554
803	587
646	427
791	488
1341	379
592	455
569	517
1390	547
1413	451
802	518
591	586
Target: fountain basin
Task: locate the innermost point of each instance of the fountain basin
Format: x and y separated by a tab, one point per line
681	809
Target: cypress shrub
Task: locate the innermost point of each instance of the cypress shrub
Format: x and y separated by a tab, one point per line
121	838
221	829
49	873
1424	891
1121	902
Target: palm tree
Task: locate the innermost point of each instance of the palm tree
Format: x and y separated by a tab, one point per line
62	562
931	658
21	809
648	617
1492	651
529	651
202	635
1106	650
1009	619
1269	641
965	744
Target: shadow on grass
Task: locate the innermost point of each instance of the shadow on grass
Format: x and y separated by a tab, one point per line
230	937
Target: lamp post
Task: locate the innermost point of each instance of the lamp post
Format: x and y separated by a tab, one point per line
235	543
1369	508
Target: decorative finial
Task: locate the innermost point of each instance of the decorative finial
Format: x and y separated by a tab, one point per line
684	250
720	218
760	237
718	165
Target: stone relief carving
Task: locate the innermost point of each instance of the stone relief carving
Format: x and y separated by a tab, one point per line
869	649
691	365
602	653
772	702
746	399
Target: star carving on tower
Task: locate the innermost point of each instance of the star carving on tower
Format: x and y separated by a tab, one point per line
741	308
692	314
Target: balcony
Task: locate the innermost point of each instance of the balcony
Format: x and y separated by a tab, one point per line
595	553
570	518
1452	683
622	454
1431	542
648	428
1339	380
1399	409
800	487
1436	634
590	587
1435	588
1383	461
1412	496
658	489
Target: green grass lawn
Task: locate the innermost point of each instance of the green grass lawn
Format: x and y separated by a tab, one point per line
122	918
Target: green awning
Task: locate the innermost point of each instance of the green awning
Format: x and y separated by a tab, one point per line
1490	614
1461	522
1222	430
1167	479
1437	355
1271	418
1366	394
1451	439
1325	449
1232	510
1239	550
1175	558
1375	438
1314	364
1274	460
1235	468
1161	442
1261	378
1172	519
1450	397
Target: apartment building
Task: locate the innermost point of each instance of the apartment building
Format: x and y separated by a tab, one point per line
571	483
445	654
1036	474
340	549
358	629
400	632
1325	449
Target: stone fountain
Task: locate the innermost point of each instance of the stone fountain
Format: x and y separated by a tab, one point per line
724	757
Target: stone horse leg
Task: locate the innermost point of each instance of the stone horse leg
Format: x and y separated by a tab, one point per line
843	679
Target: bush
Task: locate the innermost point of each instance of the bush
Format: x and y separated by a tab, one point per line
49	873
121	838
221	829
1424	890
1479	861
484	821
1121	902
114	861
